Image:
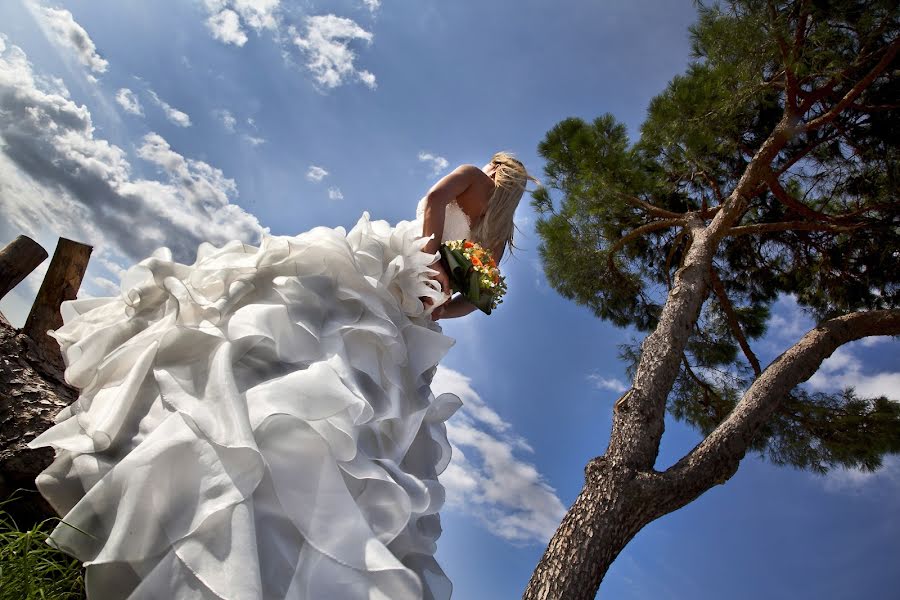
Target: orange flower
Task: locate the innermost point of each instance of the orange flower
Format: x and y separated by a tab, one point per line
493	262
468	244
476	262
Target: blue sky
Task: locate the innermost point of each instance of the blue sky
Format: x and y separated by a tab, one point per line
131	125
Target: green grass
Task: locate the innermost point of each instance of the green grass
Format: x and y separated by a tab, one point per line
30	569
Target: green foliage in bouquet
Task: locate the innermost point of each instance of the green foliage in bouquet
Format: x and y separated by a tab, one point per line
473	273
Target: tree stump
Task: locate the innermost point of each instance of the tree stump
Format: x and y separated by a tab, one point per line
61	283
17	259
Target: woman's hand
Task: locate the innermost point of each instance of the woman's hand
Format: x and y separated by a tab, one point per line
441	276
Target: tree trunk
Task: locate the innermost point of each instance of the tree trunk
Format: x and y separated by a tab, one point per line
613	506
61	283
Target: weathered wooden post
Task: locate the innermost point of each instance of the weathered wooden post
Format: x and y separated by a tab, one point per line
61	283
17	259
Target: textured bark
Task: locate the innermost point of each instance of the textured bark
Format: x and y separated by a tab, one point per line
32	392
17	259
61	283
611	508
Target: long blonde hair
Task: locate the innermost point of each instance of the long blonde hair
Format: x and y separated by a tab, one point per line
496	227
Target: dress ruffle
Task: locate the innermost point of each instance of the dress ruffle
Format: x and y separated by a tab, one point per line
258	424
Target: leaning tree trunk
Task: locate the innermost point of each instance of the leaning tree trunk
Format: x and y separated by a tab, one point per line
622	491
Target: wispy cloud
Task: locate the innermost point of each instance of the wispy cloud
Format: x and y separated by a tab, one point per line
372	5
437	163
843	480
60	27
326	45
129	102
227	119
175	116
607	383
486	477
334	193
61	180
316	173
844	369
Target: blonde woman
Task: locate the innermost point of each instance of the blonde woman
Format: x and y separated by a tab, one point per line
480	204
259	424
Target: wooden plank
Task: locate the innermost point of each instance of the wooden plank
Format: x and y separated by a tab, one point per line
61	283
17	259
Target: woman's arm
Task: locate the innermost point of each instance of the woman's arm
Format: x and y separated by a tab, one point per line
457	307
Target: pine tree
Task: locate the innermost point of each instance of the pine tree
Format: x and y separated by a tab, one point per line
768	168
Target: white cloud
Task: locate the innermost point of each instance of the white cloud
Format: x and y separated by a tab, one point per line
438	163
334	193
129	102
789	321
58	179
316	173
254	141
844	480
874	340
225	26
226	118
844	369
227	18
60	27
486	478
326	43
372	5
607	383
175	116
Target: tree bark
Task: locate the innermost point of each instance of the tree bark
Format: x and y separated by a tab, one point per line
32	392
613	506
17	259
61	283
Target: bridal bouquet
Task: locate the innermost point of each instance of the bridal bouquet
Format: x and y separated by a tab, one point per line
473	273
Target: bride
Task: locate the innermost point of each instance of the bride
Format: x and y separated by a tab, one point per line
259	424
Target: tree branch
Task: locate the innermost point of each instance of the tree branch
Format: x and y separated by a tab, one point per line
791	87
707	390
856	90
639	423
790	201
650	208
717	457
789	225
638	232
732	319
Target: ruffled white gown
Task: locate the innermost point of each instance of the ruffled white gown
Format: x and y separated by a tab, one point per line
258	424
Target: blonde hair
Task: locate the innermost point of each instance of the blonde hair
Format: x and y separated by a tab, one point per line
495	229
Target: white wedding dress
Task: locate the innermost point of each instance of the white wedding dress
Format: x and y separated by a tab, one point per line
258	424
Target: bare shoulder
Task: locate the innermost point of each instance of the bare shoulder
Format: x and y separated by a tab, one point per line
469	186
474	199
